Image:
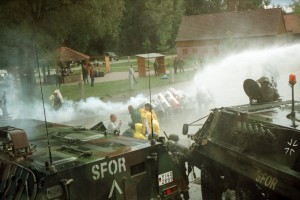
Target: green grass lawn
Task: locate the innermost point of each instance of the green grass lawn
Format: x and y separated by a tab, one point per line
114	67
122	66
106	90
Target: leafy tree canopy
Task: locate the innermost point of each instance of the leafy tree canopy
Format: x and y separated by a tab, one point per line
39	27
52	23
153	20
295	5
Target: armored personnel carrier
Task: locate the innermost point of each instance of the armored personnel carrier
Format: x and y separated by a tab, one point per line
52	161
250	151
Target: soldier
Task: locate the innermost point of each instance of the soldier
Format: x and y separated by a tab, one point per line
182	157
268	90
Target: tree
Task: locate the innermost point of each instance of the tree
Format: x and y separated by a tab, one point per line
133	27
266	3
164	16
147	45
86	22
17	40
239	5
156	20
37	27
196	7
295	5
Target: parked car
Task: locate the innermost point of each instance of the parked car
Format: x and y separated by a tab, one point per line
112	56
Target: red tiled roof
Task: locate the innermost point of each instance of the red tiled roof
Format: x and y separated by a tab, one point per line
67	54
292	23
260	22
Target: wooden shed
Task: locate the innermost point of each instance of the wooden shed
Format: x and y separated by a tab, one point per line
142	61
67	55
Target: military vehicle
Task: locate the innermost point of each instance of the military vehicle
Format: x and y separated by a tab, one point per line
48	161
250	151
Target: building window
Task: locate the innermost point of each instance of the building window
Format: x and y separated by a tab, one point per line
184	51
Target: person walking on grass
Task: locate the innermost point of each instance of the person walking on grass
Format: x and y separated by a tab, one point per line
131	74
92	75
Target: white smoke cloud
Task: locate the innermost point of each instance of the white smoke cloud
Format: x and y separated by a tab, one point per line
224	78
221	81
84	112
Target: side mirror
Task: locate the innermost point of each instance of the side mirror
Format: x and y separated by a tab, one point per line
185	129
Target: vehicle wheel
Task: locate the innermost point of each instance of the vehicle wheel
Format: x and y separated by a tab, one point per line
210	183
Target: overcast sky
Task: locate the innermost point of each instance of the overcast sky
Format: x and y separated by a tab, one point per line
284	3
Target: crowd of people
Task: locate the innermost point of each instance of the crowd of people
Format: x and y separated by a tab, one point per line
89	72
61	72
178	64
144	123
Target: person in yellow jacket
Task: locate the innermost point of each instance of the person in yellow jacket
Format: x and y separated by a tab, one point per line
150	119
143	112
156	127
148	108
156	130
138	133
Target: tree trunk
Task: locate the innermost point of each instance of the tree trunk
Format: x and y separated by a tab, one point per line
26	73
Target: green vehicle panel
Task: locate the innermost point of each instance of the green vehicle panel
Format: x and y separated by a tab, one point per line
251	149
75	163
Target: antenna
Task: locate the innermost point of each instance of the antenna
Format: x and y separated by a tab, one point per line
152	141
292	115
46	125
